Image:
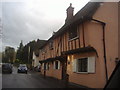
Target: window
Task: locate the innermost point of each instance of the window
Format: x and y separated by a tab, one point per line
56	64
47	66
84	65
43	66
43	51
73	33
51	45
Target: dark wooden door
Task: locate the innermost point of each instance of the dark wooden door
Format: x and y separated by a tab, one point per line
64	69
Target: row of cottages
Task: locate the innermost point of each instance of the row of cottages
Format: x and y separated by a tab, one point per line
35	56
85	48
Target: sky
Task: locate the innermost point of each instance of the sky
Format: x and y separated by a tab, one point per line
29	20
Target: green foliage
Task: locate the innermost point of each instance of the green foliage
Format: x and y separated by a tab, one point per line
9	55
19	54
17	61
25	53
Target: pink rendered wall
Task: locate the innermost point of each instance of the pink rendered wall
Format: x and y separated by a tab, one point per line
93	32
108	13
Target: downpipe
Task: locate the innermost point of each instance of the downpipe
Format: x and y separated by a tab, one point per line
104	47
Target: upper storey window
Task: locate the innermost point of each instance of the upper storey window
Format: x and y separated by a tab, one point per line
51	45
73	33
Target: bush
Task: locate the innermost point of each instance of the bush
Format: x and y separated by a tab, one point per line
17	61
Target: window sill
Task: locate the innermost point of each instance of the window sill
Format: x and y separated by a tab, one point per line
56	69
73	38
84	72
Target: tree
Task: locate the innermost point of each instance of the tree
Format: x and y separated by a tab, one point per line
9	55
28	51
19	54
25	53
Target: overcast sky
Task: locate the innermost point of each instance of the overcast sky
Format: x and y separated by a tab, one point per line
29	20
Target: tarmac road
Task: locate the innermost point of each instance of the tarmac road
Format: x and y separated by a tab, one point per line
30	80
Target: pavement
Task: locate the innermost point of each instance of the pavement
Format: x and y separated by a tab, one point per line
32	80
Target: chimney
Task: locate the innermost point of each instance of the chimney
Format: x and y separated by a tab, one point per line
70	11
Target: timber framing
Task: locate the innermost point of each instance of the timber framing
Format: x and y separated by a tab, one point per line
80	50
83	15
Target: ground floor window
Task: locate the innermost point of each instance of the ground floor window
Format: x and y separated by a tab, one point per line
57	64
47	66
43	66
86	64
82	65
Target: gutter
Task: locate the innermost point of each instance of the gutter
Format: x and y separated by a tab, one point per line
104	48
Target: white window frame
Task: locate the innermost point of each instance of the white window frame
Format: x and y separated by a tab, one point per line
74	65
54	66
47	66
43	66
90	65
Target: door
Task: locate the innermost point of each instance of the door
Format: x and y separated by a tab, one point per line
64	68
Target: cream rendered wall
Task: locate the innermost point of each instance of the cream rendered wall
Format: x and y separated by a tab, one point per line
36	60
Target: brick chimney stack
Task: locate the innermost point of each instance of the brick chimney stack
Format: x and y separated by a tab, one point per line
70	11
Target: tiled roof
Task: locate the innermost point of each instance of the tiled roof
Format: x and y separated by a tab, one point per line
84	14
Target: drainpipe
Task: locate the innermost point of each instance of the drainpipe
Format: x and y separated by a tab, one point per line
104	48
